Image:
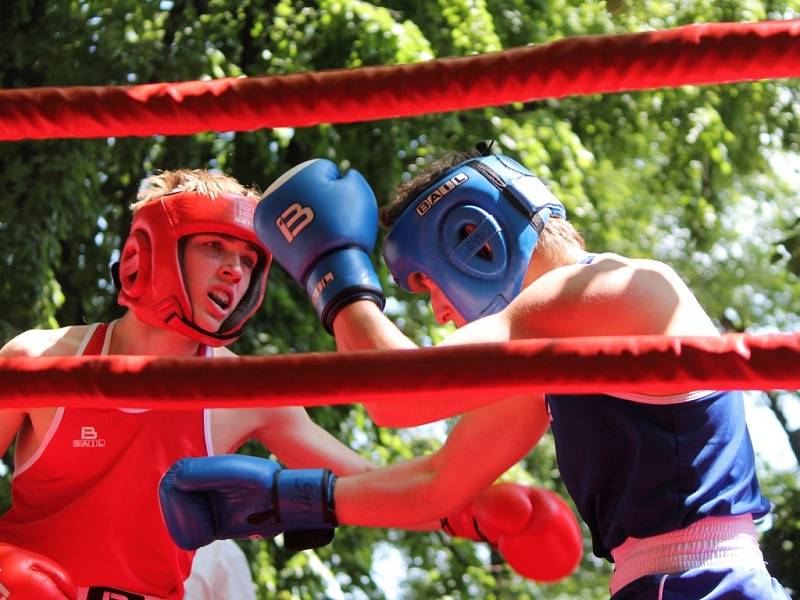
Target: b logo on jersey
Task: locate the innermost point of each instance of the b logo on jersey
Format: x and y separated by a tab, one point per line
293	220
88	439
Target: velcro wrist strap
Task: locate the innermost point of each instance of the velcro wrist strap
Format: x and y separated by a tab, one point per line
340	278
304	498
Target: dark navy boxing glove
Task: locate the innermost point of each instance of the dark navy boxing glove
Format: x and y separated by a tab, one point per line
321	227
236	496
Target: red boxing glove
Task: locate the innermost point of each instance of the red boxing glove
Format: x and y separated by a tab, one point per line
27	575
533	528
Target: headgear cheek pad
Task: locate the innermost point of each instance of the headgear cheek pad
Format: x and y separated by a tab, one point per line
150	273
473	232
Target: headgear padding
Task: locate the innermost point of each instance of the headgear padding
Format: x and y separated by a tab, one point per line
150	272
473	233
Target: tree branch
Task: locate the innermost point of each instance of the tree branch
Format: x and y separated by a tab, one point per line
792	434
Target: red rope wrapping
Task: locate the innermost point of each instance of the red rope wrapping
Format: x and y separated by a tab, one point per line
573	365
693	54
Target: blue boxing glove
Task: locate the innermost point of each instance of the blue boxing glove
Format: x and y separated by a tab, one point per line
321	227
236	496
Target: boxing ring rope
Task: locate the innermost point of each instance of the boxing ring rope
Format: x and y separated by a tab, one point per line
572	365
692	54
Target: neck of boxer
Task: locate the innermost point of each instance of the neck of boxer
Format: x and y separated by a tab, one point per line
134	337
545	259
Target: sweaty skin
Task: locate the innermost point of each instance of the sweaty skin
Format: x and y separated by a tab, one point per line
559	299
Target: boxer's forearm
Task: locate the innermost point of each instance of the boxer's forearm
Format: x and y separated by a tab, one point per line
402	495
433	486
363	326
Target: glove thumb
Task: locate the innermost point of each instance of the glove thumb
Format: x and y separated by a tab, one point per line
503	509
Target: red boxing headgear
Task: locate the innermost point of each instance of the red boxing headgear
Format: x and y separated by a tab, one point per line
150	273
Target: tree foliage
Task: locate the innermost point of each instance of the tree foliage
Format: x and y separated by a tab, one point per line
700	177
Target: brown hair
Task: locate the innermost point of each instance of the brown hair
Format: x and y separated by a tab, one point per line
201	181
557	232
406	191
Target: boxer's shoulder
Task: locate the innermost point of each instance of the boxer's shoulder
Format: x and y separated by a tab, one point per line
63	341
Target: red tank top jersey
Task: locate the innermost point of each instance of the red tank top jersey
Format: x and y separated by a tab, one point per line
88	497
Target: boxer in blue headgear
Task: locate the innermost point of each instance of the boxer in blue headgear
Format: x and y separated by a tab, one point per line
666	483
473	232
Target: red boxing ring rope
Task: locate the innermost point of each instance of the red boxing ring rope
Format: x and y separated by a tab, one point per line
572	365
693	54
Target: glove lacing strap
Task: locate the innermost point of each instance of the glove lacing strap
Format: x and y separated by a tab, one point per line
448	529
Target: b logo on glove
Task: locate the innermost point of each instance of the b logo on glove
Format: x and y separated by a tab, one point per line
293	220
332	259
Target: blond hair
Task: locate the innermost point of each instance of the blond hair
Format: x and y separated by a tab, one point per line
200	181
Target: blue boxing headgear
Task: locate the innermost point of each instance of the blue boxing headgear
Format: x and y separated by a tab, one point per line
473	233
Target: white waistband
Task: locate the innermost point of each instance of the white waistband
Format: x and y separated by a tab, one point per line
710	542
110	595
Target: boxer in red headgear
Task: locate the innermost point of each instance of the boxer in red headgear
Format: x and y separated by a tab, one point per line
85	519
151	269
